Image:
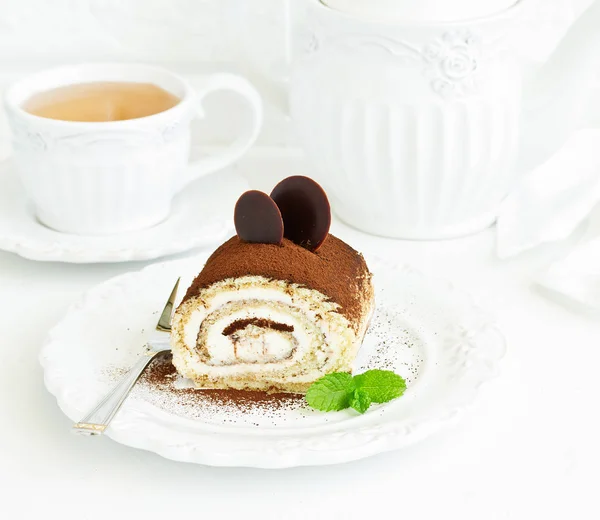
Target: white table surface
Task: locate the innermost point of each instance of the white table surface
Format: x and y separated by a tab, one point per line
529	449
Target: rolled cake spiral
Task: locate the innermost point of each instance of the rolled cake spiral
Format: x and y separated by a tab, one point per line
273	317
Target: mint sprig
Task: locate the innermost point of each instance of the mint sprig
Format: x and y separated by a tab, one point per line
339	391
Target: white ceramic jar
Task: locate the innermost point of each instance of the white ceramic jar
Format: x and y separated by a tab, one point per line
410	131
414	127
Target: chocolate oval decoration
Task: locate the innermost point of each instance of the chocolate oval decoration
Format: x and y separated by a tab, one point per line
305	210
258	219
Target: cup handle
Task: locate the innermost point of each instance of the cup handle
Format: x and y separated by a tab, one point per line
223	81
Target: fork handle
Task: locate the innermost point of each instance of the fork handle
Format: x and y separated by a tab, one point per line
96	422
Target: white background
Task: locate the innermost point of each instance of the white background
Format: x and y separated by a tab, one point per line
529	449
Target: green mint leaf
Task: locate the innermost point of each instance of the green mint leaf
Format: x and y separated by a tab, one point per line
340	391
360	401
332	392
381	385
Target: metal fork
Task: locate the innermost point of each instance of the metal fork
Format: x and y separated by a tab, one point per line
96	422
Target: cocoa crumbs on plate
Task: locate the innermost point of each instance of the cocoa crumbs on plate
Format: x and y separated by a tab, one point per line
161	379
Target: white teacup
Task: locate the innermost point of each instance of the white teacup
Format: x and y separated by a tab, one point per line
112	177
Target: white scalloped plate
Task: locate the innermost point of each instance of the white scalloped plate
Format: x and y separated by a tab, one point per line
201	216
424	329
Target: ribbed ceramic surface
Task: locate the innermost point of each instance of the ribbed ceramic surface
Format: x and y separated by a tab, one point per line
414	171
103	191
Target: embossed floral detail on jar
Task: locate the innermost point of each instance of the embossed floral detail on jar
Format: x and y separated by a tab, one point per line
25	138
453	60
311	43
173	131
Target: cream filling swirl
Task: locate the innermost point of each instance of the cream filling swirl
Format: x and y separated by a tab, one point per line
281	332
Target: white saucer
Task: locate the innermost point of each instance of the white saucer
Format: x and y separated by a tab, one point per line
424	329
201	215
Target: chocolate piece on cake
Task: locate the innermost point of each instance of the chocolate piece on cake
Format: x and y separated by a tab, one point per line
304	207
258	219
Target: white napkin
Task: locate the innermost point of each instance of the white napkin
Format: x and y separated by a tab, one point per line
551	201
577	276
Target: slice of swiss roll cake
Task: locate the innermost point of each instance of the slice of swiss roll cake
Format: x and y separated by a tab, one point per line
271	313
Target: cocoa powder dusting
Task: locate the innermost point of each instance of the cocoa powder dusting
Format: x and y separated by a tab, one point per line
161	376
335	270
